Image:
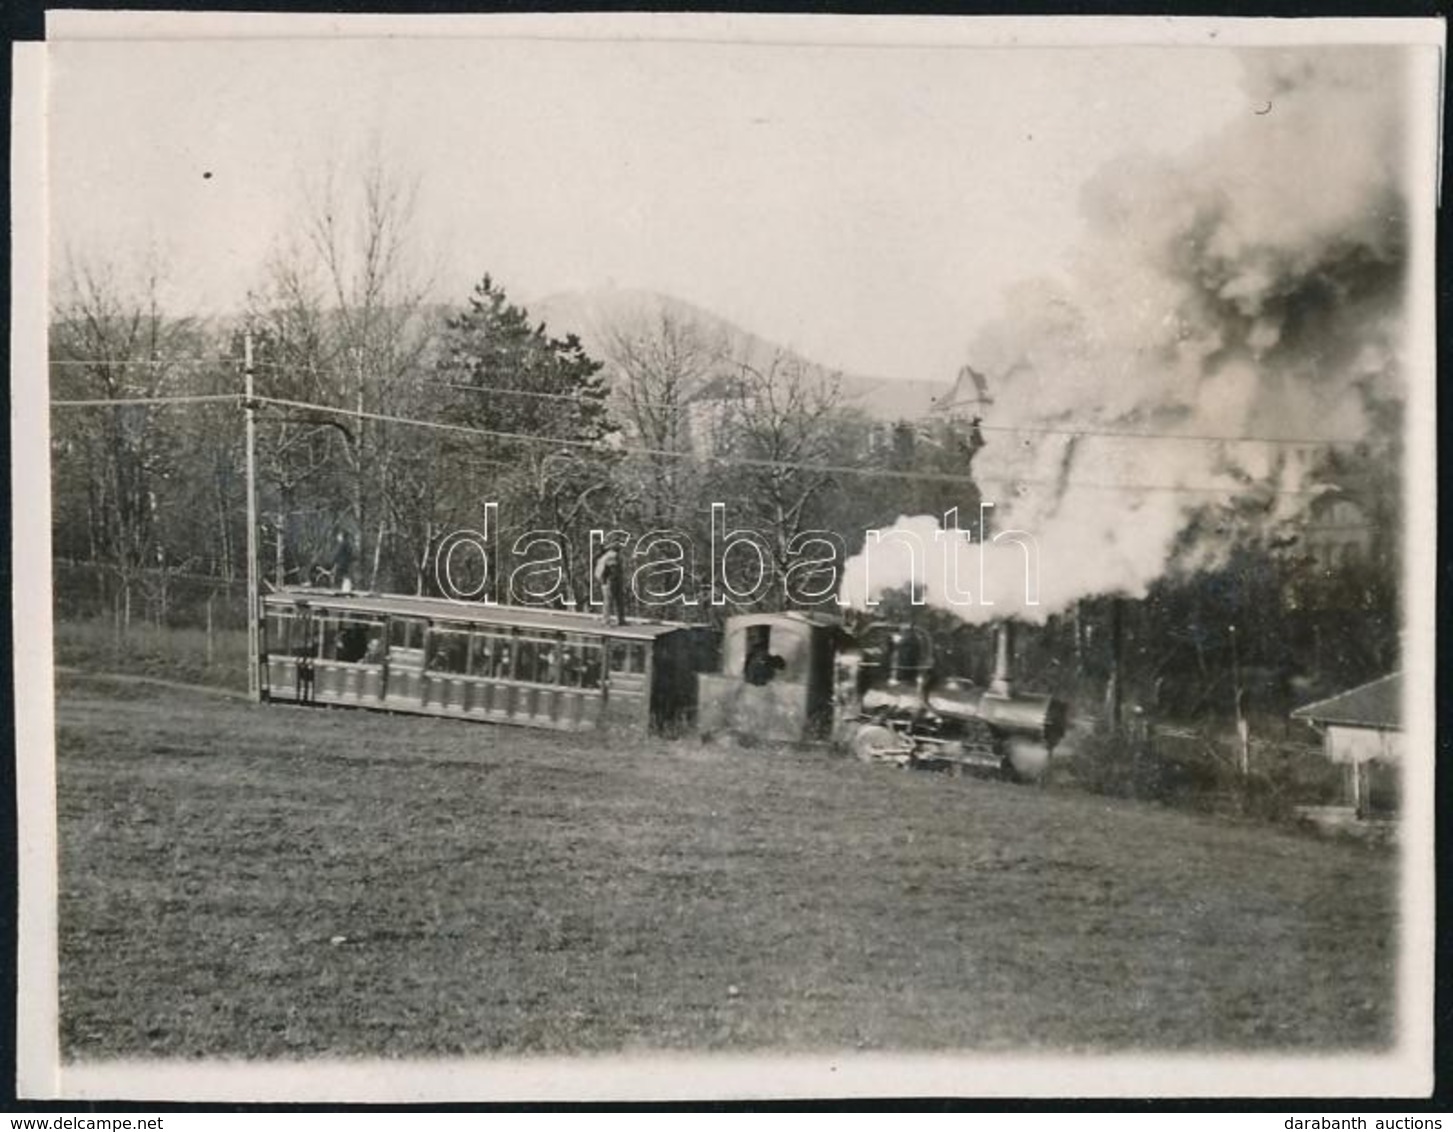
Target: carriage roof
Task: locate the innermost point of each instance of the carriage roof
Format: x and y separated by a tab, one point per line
471	613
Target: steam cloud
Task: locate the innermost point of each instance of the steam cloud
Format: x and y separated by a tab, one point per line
1252	289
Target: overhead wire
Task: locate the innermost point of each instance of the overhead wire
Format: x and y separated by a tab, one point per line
178	399
983	426
722	458
1066	430
743	461
96	363
641	450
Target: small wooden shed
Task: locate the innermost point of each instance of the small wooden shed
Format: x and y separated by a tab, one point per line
1362	729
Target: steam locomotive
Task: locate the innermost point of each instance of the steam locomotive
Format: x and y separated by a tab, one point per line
801	677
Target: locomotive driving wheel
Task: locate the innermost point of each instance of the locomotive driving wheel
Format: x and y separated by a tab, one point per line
872	742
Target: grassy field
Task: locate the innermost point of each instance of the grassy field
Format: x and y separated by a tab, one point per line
273	881
143	649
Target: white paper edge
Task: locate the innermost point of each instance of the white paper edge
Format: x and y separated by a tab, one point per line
36	1045
1405	1072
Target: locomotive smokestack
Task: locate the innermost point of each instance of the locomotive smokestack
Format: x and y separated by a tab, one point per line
1002	682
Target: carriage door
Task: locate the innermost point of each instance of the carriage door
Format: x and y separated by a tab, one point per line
305	652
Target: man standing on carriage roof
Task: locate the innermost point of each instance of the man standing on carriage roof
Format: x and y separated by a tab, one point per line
339	571
343	562
610	572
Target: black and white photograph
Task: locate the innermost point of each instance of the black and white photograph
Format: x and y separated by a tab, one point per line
659	557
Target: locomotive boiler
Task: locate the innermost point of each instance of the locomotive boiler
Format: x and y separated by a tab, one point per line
801	677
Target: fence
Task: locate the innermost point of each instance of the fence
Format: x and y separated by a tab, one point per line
176	599
1203	768
169	624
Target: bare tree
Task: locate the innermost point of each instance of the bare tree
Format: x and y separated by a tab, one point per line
343	322
661	365
111	342
783	427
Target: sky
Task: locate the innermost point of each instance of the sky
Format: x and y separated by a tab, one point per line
869	207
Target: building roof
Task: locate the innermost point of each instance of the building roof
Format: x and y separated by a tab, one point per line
475	613
1375	705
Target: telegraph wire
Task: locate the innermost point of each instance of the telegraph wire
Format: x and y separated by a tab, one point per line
742	461
981	426
179	399
607	395
102	363
640	450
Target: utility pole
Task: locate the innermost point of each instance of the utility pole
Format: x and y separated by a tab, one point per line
1243	725
1115	699
249	405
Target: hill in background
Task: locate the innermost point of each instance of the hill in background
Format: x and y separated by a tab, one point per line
593	314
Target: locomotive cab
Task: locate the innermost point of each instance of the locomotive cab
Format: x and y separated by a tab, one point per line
775	678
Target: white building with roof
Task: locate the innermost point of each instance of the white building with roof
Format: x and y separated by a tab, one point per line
1362	729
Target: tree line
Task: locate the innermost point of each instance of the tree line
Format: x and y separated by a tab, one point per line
348	352
668	416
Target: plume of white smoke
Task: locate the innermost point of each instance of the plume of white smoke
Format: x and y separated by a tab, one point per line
1251	290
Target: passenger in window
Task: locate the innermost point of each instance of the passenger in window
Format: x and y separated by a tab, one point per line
569	666
352	643
762	664
445	656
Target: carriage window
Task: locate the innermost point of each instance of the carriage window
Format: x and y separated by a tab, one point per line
448	651
278	625
541	660
405	633
547	662
572	661
628	657
501	658
479	654
524	660
590	654
349	640
773	652
373	648
340	638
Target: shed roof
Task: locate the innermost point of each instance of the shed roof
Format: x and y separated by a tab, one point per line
1375	705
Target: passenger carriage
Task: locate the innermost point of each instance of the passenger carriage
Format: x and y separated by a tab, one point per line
517	665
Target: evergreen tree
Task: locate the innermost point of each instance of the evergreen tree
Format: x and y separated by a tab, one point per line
512	376
545	399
